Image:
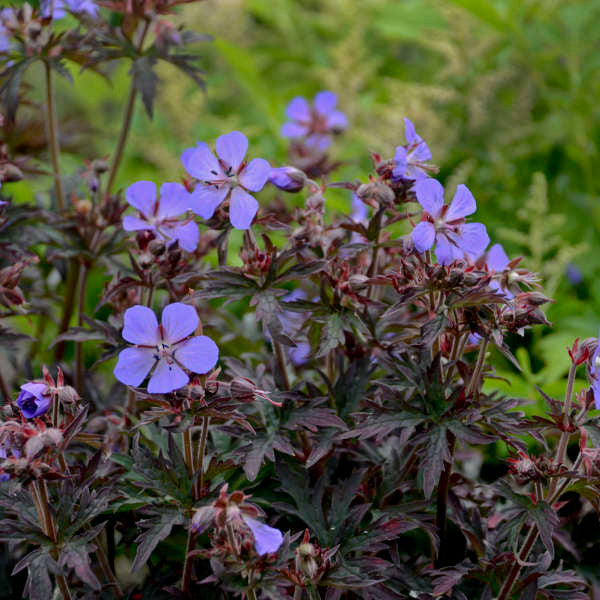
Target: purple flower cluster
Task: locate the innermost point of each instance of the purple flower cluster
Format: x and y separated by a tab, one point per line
160	215
411	160
444	226
164	349
227	177
314	124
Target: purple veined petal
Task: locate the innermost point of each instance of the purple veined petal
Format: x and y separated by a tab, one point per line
443	250
337	120
496	259
205	199
178	321
325	103
142	195
430	195
596	392
266	539
201	163
174	200
31	406
423	236
187	235
135	224
473	238
319	141
198	354
410	133
300	353
298	109
416	173
400	162
462	205
420	152
166	378
83	6
293	130
232	148
254	176
360	212
242	208
134	364
140	326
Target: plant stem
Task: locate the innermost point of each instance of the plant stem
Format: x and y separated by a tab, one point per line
53	138
4	389
200	456
442	506
126	126
186	580
516	568
187	450
297	593
474	383
105	565
282	366
83	277
69	304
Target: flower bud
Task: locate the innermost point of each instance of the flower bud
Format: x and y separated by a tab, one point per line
157	247
378	191
288	179
305	560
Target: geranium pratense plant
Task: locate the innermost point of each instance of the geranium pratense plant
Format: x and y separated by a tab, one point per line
347	382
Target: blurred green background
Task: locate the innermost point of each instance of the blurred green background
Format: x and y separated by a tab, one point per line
505	92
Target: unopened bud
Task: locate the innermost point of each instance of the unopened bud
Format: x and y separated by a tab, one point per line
157	247
378	191
288	179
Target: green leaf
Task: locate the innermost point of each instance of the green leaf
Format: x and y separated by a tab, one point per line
485	11
145	80
332	335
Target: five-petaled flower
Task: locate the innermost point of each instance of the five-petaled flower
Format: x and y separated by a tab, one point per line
316	123
411	160
34	399
228	176
164	349
160	214
445	225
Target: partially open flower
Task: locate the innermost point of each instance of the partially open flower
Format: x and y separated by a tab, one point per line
34	399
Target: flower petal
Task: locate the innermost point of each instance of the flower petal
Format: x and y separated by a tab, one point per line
400	162
430	195
254	176
337	120
140	326
298	109
135	224
198	354
443	250
462	205
496	259
294	130
204	200
134	364
166	378
409	132
187	235
266	539
319	141
35	389
178	321
142	195
473	238
174	200
423	236
232	148
201	163
325	103
242	208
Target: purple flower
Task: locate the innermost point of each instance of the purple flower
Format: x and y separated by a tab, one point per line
288	179
5	450
33	399
595	374
57	9
5	35
410	161
266	539
445	225
228	176
315	123
164	349
160	215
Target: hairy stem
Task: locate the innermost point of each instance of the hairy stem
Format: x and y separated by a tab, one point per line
81	288
279	355
297	592
108	572
201	451
441	519
513	574
4	389
186	580
126	125
475	377
53	137
187	451
68	305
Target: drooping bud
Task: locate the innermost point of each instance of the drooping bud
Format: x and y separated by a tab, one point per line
288	179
